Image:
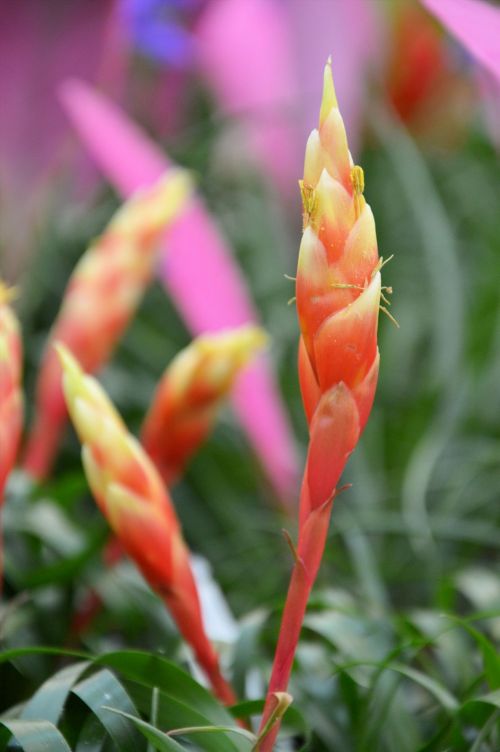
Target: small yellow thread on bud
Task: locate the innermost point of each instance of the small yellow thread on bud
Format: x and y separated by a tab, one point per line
309	203
358	184
379	266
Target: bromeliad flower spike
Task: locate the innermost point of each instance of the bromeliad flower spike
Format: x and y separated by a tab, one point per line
102	296
132	497
11	400
183	413
338	292
190	392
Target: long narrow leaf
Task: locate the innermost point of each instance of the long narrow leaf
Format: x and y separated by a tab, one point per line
48	701
36	736
104	689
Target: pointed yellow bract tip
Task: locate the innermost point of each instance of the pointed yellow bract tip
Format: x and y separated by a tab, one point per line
238	344
7	294
215	358
67	360
329	101
155	206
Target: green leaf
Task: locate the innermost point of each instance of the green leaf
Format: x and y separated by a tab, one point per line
155	671
164	742
442	695
104	689
173	714
48	701
187	730
491	658
492	698
36	736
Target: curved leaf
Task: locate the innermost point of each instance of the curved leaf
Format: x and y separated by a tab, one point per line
36	736
157	738
442	695
155	671
104	689
48	701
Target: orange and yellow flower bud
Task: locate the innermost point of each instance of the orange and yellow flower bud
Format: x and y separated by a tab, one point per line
338	275
132	497
338	300
190	392
338	292
11	399
103	293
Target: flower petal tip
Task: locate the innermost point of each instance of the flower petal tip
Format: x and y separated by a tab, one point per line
67	359
329	101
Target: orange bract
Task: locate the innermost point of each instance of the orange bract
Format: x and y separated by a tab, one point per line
190	392
131	495
102	295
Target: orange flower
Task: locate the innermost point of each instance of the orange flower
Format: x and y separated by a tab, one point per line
190	392
338	293
338	300
11	400
132	497
103	293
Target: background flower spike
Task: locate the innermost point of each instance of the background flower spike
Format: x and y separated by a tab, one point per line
102	295
198	271
132	497
338	297
11	399
190	392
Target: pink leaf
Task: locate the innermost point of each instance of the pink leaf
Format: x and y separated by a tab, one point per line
475	24
251	71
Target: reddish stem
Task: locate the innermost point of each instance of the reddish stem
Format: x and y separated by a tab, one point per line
187	617
312	539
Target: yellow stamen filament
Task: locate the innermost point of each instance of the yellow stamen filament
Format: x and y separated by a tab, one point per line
358	184
309	203
389	316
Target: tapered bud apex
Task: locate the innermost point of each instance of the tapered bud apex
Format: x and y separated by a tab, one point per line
191	390
103	294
